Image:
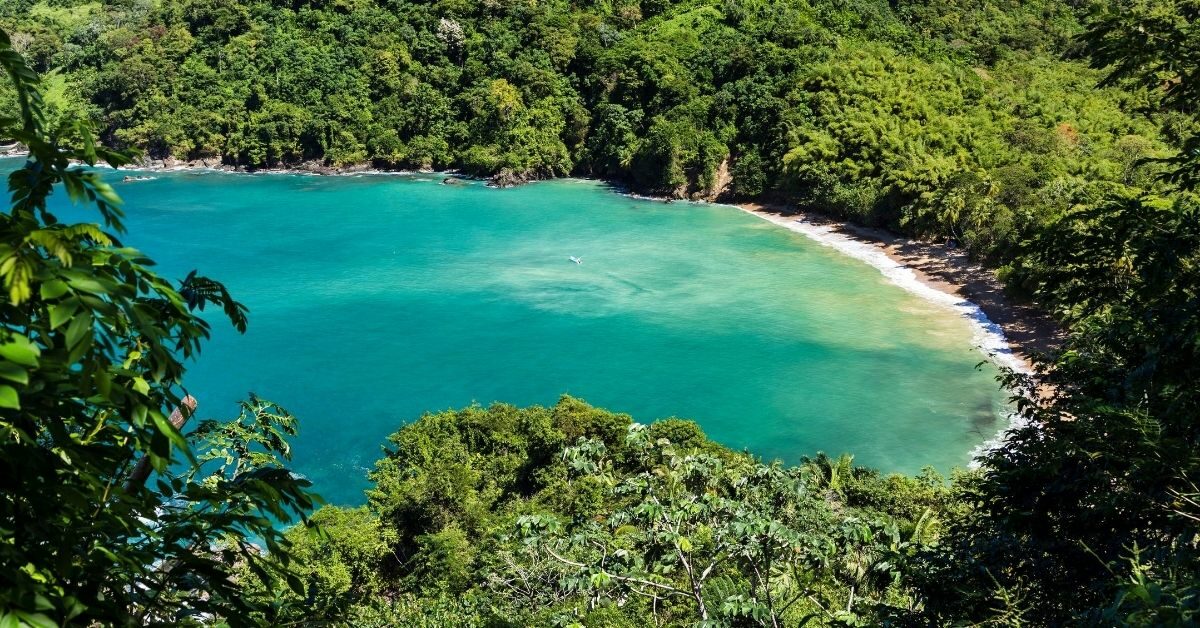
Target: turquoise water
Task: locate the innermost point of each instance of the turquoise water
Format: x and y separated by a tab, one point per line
376	298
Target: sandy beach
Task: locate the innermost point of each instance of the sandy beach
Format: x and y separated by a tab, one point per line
1023	329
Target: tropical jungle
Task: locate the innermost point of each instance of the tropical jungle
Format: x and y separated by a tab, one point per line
1058	143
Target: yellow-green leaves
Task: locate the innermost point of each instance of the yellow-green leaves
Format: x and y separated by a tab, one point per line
9	397
19	349
16	272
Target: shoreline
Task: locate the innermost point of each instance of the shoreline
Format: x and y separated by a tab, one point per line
1009	332
1006	332
308	168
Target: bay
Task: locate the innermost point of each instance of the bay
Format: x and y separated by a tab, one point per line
376	298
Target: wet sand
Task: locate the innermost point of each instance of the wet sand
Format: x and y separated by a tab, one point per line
1028	330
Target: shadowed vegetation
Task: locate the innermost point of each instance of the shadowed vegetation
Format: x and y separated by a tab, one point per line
977	121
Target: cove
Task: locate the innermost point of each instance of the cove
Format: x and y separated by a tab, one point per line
374	299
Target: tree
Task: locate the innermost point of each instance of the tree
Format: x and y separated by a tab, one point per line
342	560
109	514
706	538
1152	44
482	517
1096	493
1088	494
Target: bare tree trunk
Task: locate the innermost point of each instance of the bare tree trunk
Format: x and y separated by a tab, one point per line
179	416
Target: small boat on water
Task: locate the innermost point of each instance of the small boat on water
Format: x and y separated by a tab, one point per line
132	179
577	260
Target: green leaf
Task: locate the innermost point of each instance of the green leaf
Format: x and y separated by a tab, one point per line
53	289
80	327
89	143
164	426
294	583
80	281
19	349
38	620
74	608
102	380
62	312
14	373
9	397
105	191
73	186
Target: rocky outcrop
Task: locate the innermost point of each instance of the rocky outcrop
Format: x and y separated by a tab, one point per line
720	185
315	166
172	162
722	181
508	178
318	166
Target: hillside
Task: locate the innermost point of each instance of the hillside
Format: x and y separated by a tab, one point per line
571	515
939	120
1059	142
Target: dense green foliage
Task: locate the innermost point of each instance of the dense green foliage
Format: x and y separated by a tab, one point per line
572	515
946	119
1152	45
1100	489
942	119
93	347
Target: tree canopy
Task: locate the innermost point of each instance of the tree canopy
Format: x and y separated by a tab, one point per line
1057	142
939	119
109	513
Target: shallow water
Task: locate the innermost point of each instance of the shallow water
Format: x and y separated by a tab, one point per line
373	299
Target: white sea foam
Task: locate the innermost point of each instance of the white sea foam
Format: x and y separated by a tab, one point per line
988	336
1015	421
657	199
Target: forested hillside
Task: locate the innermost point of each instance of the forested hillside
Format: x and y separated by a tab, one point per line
967	119
572	515
940	119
